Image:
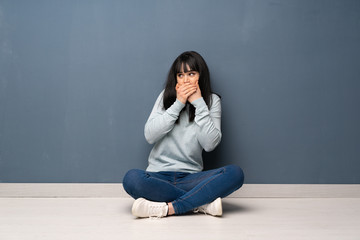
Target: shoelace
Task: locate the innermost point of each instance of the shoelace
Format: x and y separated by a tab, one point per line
155	212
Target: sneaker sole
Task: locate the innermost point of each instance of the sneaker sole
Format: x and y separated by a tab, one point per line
219	212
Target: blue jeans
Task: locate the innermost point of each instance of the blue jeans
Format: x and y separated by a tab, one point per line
186	191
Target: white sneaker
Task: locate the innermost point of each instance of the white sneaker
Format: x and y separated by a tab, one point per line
214	208
145	208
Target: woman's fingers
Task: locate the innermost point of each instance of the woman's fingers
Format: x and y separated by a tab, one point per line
189	93
187	87
184	91
190	89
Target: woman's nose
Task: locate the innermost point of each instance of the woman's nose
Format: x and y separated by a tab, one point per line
186	79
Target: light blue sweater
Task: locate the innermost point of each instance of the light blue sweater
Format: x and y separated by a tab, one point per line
178	147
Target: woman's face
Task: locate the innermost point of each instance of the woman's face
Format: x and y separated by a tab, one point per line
187	77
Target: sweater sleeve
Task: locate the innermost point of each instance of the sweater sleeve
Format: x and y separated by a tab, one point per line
161	121
209	122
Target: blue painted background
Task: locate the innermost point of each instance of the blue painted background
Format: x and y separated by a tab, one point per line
78	80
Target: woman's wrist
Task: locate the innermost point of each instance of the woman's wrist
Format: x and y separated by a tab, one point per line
183	101
195	96
191	100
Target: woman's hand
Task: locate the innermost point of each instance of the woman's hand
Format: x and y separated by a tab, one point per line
195	95
184	91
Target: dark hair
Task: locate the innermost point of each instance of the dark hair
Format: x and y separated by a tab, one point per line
195	63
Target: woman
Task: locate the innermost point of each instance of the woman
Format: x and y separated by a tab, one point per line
185	120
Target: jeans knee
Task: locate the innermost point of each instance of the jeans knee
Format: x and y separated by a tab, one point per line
130	178
237	175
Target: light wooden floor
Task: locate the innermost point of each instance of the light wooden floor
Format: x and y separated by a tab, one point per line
244	218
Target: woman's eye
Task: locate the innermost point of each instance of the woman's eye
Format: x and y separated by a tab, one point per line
180	75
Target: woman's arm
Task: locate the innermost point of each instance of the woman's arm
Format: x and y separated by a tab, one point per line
209	122
161	121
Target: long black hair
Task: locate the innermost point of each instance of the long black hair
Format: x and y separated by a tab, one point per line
196	63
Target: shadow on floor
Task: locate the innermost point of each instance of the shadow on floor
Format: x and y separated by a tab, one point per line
230	207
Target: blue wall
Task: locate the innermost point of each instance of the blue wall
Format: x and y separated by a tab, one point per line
78	80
